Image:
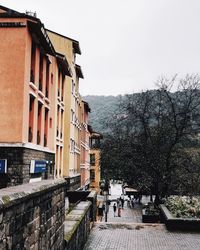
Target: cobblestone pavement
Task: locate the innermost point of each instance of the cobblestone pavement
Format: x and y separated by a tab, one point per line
138	236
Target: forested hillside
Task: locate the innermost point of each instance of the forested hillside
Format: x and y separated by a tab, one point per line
101	108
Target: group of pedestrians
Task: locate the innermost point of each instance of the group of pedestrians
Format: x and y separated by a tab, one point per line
133	199
117	208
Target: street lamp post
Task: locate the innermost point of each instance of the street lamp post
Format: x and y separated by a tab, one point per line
106	205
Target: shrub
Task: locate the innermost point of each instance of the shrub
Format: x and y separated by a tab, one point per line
183	206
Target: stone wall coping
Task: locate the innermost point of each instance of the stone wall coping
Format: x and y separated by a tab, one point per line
72	176
82	205
13	195
92	194
74	218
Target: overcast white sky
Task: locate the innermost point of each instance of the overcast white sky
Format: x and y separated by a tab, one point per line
126	44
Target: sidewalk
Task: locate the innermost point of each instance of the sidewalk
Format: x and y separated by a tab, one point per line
131	236
127	214
128	233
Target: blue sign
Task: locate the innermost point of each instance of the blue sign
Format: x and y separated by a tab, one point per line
3	166
38	167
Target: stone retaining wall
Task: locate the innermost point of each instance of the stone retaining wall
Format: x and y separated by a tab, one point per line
32	216
77	226
92	197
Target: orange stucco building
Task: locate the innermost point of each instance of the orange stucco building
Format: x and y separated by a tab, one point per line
39	93
95	160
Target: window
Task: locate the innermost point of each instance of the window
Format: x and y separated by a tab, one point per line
50	123
47	80
61	130
59	77
62	87
92	159
73	87
72	116
32	73
39	123
72	145
46	127
92	175
41	72
94	142
31	118
51	78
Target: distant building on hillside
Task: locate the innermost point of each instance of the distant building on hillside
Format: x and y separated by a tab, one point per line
95	160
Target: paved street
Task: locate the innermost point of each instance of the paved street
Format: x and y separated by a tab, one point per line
128	214
132	236
128	233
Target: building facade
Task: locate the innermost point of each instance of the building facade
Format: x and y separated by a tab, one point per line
70	167
85	156
95	160
40	104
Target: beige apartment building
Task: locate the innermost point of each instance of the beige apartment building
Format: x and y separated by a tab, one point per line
68	161
85	156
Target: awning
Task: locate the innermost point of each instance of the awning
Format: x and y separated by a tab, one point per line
130	191
38	31
79	71
62	61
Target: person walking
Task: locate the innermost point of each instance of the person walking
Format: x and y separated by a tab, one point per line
119	210
100	212
118	201
114	209
122	202
132	202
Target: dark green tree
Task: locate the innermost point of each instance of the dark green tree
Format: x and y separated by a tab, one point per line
149	130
